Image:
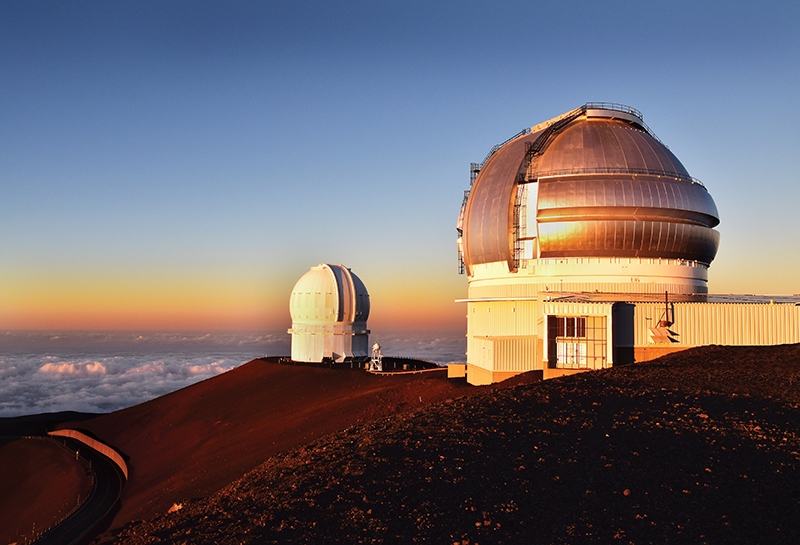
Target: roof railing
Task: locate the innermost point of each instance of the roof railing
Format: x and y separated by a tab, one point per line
537	145
612	170
616	107
556	124
613	106
476	167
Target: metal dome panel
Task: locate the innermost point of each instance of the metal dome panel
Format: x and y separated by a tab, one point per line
625	197
489	211
628	238
603	143
329	294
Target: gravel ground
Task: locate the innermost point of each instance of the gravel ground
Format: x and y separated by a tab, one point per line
697	447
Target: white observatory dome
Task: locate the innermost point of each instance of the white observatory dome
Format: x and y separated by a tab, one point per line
329	306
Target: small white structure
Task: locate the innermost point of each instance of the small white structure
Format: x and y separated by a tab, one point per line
376	364
329	308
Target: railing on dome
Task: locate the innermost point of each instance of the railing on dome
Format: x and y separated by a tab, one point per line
615	106
627	109
611	170
563	120
475	168
503	143
518	226
461	267
534	147
554	126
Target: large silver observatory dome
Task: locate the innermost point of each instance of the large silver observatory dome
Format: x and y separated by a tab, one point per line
605	186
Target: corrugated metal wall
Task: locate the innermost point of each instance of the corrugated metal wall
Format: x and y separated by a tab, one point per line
506	327
502	318
577	309
312	346
722	323
506	354
515	354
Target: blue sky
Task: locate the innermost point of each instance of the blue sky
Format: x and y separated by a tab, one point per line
177	165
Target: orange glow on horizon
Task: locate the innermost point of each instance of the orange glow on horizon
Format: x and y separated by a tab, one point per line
191	300
81	301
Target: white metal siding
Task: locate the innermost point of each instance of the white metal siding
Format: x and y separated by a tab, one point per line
722	323
515	354
498	335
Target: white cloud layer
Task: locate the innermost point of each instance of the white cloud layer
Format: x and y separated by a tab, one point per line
72	368
100	372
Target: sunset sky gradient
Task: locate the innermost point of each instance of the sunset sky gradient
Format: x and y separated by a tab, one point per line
179	165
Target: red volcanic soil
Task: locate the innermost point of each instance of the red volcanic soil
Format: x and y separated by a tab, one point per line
194	441
41	482
701	446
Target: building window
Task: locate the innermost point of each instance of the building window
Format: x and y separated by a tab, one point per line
570	326
577	342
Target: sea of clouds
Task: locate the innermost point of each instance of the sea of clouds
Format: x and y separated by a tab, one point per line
100	372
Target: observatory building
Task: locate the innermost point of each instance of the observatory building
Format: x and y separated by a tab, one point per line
329	308
586	244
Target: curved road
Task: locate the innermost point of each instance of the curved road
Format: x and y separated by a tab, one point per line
108	484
